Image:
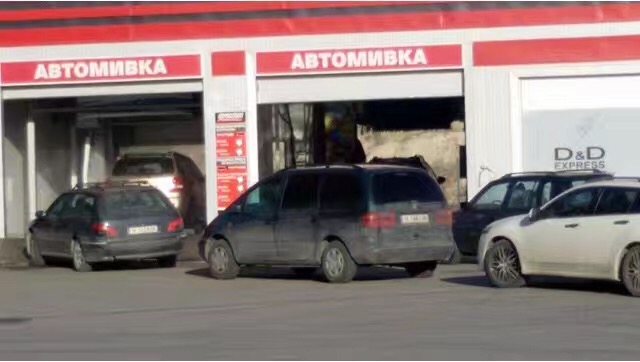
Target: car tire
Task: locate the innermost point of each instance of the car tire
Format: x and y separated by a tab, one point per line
502	266
337	264
222	262
168	261
77	256
303	272
630	271
424	269
35	259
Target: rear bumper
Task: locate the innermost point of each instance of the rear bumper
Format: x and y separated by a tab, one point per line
133	249
439	252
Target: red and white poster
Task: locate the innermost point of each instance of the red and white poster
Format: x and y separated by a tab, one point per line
231	158
96	70
359	59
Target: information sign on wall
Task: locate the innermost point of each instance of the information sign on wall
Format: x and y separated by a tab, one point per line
231	157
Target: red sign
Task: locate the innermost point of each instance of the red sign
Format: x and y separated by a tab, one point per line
231	159
100	70
232	182
231	142
358	60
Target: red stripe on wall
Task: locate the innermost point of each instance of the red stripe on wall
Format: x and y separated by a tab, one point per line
568	50
228	63
186	8
321	25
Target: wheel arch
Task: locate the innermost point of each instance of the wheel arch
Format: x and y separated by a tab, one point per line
325	242
617	269
216	237
523	260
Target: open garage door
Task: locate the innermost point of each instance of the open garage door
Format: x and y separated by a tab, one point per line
354	105
70	121
360	87
573	123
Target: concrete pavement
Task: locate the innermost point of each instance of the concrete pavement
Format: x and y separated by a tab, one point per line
141	312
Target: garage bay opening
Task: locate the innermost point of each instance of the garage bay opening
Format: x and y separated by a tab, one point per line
155	138
298	134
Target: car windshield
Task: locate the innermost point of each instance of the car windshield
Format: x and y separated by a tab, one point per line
135	203
143	166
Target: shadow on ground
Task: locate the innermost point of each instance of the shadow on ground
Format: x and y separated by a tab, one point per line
549	283
282	273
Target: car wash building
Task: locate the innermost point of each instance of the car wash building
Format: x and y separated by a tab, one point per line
247	88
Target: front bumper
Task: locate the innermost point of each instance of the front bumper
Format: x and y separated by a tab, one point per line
134	249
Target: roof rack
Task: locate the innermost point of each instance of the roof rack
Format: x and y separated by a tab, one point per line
103	185
550	173
587	170
327	165
525	173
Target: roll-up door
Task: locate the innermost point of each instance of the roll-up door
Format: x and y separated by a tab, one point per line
111	89
584	123
370	86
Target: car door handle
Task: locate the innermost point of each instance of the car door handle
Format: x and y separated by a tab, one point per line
571	226
621	222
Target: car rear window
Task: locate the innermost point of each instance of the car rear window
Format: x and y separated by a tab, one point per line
136	203
401	187
143	166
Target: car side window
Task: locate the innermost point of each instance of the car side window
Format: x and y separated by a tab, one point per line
263	200
616	200
301	192
493	198
58	207
522	195
340	192
577	203
79	205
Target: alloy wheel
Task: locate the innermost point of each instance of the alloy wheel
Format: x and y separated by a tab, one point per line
632	270
219	259
504	265
334	262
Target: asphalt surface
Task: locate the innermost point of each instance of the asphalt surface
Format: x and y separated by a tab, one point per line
139	312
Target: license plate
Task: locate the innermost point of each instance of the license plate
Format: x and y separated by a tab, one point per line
415	219
147	229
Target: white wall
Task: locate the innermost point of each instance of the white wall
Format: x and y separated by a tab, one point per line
53	152
15	153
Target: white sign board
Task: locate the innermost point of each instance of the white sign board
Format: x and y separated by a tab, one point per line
604	139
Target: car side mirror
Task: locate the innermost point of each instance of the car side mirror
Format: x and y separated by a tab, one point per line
463	205
40	214
534	214
441	180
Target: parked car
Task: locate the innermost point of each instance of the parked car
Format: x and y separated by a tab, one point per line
107	222
413	161
512	194
590	231
176	175
335	218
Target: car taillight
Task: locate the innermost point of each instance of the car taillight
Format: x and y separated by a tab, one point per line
104	229
178	184
444	217
175	225
382	220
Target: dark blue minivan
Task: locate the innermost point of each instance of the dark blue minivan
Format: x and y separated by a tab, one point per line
335	218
